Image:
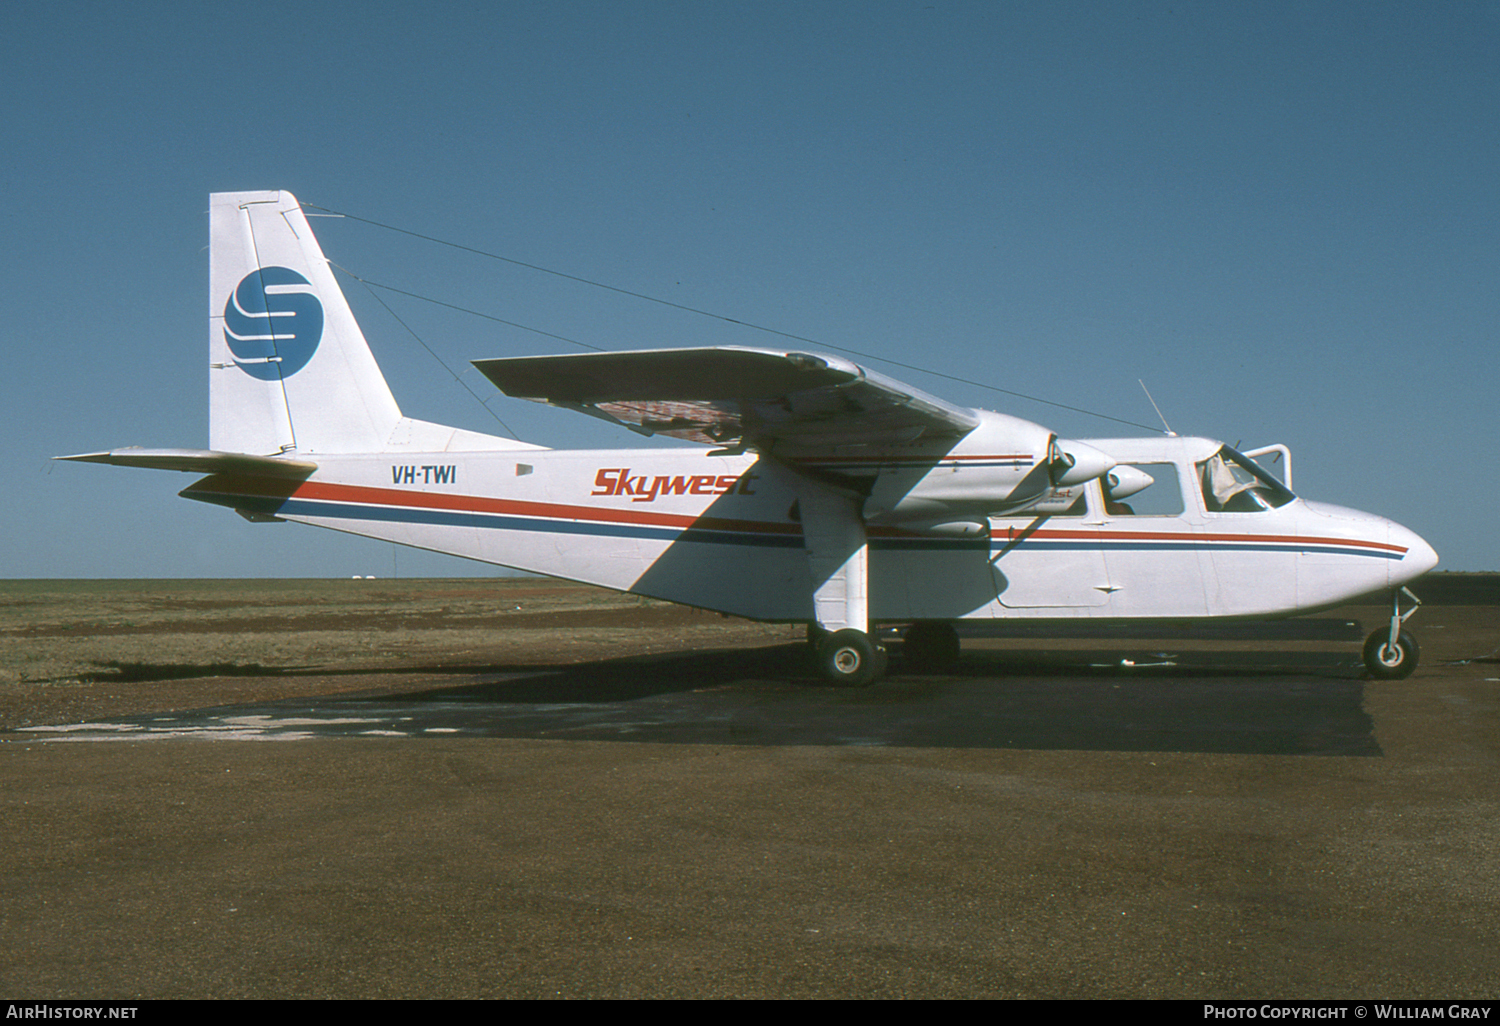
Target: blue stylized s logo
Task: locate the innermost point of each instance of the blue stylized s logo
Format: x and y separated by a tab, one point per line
272	331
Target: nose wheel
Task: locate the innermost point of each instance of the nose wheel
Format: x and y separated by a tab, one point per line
1391	653
1387	661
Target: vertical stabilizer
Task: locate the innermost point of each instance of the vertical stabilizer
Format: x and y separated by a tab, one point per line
289	367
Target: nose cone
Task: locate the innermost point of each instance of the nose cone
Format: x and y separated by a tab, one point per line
1347	554
1420	557
1087	463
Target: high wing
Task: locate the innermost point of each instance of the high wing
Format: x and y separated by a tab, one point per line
736	397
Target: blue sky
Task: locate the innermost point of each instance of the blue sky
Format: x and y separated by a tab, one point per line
1283	217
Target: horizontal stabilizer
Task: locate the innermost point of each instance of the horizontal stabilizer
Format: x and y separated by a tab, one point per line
733	395
198	461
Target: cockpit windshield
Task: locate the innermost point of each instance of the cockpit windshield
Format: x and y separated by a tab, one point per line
1233	483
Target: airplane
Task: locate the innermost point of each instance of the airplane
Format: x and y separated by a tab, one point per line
820	492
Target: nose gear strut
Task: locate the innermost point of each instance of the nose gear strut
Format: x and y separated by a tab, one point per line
1390	652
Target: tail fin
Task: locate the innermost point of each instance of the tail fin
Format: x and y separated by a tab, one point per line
289	367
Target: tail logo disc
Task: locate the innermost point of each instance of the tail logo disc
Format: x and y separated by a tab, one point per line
273	323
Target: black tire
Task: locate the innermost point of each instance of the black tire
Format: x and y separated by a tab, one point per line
931	647
850	658
1386	663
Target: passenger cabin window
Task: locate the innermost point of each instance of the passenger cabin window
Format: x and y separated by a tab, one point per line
1233	483
1142	490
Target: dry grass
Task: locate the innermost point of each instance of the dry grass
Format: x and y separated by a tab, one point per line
76	650
70	648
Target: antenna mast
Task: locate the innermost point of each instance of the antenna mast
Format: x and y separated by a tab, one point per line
1164	424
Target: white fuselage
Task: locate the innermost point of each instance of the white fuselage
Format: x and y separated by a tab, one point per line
722	532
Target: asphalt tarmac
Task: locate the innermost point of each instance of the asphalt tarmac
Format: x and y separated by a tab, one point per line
1073	818
1086	700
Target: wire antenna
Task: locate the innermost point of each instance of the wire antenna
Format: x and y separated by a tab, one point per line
326	212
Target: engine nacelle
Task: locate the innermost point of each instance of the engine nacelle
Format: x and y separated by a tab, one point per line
1004	464
946	528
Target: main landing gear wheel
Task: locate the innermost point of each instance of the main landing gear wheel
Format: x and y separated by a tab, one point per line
1390	662
931	647
851	658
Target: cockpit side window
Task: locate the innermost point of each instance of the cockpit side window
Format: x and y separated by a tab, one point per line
1232	483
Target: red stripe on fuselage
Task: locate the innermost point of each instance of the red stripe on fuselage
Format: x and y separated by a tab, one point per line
1054	534
364	495
369	496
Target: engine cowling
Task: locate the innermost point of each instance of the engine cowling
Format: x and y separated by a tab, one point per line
1005	464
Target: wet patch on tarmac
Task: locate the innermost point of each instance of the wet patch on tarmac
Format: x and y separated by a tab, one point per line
1103	699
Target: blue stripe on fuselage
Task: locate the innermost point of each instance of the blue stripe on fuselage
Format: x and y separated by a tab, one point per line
496	521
